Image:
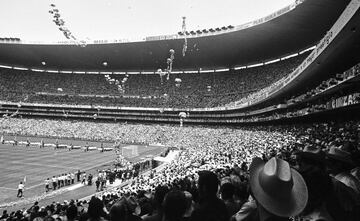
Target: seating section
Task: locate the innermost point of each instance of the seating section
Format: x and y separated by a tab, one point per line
326	156
142	90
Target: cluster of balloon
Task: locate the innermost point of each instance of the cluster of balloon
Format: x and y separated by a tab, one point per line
178	82
182	116
169	62
54	11
185	39
65	113
98	112
8	115
120	85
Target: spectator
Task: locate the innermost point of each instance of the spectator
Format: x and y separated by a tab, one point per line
227	195
96	210
160	192
174	206
209	207
280	192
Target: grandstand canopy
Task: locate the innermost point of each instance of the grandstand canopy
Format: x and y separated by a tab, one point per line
291	32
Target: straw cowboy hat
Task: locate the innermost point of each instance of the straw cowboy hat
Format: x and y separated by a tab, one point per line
312	153
340	155
279	189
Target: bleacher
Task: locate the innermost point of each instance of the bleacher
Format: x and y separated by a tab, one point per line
142	90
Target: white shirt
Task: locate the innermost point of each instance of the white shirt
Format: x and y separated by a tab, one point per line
21	186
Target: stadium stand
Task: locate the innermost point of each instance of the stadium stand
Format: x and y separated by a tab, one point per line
142	90
228	153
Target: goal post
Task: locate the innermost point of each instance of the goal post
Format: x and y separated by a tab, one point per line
129	151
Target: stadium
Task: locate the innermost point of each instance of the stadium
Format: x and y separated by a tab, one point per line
253	121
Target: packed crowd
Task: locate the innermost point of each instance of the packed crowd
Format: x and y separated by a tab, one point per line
310	172
145	90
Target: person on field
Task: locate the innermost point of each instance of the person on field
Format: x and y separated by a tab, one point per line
21	188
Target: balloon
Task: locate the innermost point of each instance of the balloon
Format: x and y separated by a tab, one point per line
182	114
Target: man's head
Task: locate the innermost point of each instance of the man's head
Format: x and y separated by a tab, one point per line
175	205
208	183
227	191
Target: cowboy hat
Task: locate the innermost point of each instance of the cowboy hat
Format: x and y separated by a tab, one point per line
312	153
340	155
279	189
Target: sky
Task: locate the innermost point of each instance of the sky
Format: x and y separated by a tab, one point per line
125	19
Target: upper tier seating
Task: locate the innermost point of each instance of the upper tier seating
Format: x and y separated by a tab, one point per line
142	90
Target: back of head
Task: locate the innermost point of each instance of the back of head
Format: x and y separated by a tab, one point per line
96	207
160	192
174	205
120	210
227	191
71	212
208	183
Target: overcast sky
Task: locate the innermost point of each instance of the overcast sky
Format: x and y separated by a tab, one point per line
125	19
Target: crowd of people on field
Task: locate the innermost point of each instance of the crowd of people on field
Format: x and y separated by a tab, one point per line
142	90
303	172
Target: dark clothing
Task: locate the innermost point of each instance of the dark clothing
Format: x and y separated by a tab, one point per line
210	209
155	217
20	193
232	207
134	218
343	203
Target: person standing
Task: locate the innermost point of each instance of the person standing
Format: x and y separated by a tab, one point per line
83	177
102	147
15	141
86	147
78	175
21	188
47	185
97	182
72	176
54	182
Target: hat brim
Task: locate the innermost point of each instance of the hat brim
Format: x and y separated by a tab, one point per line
341	159
311	156
287	206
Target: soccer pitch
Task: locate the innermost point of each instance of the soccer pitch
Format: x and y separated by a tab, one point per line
37	164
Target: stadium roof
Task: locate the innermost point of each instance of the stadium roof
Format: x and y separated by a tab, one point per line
291	32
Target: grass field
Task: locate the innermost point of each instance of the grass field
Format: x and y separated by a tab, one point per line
37	164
